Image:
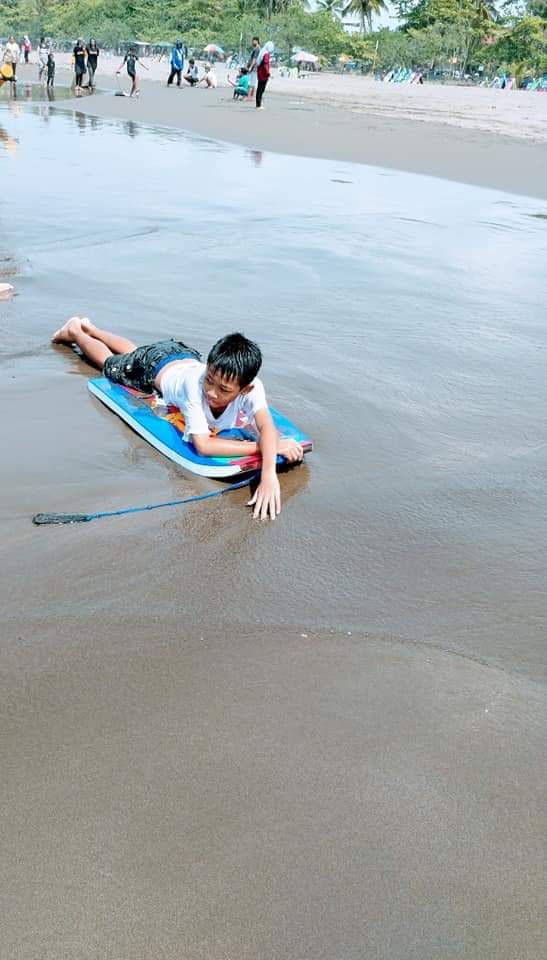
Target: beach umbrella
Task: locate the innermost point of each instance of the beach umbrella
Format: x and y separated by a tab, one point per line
303	57
213	48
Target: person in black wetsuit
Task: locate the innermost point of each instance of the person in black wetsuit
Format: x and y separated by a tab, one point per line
79	57
92	51
130	60
50	69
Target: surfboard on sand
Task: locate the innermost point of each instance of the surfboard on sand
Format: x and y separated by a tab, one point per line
163	427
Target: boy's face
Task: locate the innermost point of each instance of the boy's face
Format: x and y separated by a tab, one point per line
219	390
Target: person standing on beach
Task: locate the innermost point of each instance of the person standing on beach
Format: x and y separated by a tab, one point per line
176	63
43	52
251	67
263	72
130	60
92	52
50	70
78	57
11	57
27	47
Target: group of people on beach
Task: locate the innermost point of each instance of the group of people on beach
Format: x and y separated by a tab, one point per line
85	58
250	82
14	53
179	53
11	56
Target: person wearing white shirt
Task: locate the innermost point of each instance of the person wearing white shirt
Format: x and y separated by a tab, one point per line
192	74
222	394
11	56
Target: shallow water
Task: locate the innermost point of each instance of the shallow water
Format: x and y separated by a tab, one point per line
21	93
402	324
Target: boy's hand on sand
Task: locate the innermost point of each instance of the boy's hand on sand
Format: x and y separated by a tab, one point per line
267	499
290	449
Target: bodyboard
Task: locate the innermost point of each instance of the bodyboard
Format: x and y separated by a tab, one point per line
163	427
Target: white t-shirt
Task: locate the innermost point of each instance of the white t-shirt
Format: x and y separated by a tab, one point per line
182	387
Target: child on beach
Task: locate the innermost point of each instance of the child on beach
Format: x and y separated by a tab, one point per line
50	69
223	394
241	85
130	61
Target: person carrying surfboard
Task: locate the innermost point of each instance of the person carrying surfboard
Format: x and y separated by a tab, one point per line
222	394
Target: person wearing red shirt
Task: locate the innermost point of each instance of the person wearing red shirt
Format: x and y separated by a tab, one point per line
263	72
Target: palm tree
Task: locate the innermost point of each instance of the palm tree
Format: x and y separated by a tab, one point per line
365	10
485	10
334	7
268	7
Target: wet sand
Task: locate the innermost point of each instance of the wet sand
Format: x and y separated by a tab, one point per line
310	740
483	137
315	129
176	792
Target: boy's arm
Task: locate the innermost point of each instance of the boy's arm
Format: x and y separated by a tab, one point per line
208	446
267	497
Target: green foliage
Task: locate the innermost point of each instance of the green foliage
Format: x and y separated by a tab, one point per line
474	14
525	43
511	35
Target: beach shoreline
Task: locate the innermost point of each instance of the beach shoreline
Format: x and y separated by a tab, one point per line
483	137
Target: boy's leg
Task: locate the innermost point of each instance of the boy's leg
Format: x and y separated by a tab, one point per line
111	341
115	343
93	350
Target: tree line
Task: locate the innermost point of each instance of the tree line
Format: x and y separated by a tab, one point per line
430	34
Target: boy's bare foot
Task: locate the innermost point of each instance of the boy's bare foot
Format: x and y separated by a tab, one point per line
65	334
87	326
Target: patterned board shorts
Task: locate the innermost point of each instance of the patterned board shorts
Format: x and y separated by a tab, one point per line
139	368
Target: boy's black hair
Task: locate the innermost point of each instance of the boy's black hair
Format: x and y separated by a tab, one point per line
236	358
244	71
257	39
